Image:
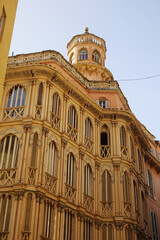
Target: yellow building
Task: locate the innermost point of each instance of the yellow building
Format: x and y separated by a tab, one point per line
7	17
75	163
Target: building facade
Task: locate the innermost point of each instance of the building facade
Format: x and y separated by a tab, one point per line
7	17
75	163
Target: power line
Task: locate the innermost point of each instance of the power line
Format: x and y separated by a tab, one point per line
137	79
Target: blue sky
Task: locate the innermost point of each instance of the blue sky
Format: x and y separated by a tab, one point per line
131	29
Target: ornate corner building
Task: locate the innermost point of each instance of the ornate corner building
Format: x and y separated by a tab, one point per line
75	163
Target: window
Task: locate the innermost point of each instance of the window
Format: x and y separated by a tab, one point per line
83	55
70	171
48	220
143	205
104	103
107	232
106	187
154	226
72	117
28	213
126	192
5	212
16	97
139	160
87	229
96	56
132	149
72	123
56	111
135	196
68	225
52	159
72	58
15	103
8	152
105	142
123	136
128	233
150	182
88	128
40	92
88	180
34	150
2	22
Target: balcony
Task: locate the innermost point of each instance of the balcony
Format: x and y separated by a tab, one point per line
88	143
105	151
72	132
50	183
14	113
55	120
70	193
8	176
88	202
107	208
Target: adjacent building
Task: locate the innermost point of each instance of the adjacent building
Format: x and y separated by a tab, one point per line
75	163
7	17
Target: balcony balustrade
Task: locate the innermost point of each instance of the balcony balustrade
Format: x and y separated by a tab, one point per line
88	202
70	193
8	176
55	120
50	183
107	208
105	151
88	143
72	132
13	113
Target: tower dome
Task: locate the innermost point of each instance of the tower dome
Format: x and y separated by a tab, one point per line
87	53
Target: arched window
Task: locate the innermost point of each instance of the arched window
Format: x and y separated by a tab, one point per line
105	142
8	152
126	192
128	233
56	111
34	150
154	226
52	159
139	160
70	171
40	92
104	103
106	187
123	137
87	229
88	135
132	148
68	233
28	213
88	129
96	56
48	220
15	103
72	123
5	212
135	196
107	232
83	55
88	180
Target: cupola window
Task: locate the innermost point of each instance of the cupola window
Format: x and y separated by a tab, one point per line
83	55
72	58
104	103
96	57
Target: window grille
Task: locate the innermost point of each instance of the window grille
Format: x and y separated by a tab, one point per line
139	160
48	220
132	148
88	180
107	232
88	128
68	225
123	136
52	159
70	171
106	187
72	117
9	152
126	192
154	226
5	212
28	213
34	150
128	233
87	230
40	92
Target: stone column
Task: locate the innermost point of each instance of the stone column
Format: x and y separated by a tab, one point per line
62	163
65	113
23	177
81	132
80	187
97	192
20	212
42	159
